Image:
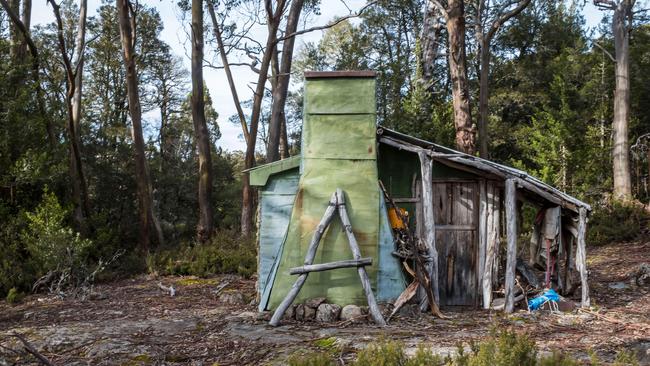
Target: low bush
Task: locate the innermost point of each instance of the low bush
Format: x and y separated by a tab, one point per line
227	252
617	222
501	348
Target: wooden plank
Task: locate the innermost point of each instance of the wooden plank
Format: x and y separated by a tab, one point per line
340	74
482	234
308	268
490	245
581	257
356	254
426	167
456	227
511	230
406	200
309	259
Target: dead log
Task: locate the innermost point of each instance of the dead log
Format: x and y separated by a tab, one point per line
404	297
30	349
331	265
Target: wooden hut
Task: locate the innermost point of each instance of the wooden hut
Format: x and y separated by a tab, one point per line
464	210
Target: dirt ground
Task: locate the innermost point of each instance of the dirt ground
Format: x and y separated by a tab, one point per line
134	322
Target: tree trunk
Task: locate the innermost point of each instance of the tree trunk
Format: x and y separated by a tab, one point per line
73	106
483	97
620	150
282	84
205	226
431	32
75	114
465	131
484	38
249	162
14	33
145	201
284	139
27	20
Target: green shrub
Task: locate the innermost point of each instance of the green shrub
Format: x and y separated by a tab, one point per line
385	353
625	358
311	359
504	348
15	270
14	296
388	353
52	244
617	222
501	348
227	252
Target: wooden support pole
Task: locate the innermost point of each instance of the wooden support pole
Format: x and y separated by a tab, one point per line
482	229
309	259
331	265
581	256
429	227
511	230
492	244
356	254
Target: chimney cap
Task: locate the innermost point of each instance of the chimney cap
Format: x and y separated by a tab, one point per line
340	74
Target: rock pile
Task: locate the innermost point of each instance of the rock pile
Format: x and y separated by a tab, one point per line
319	310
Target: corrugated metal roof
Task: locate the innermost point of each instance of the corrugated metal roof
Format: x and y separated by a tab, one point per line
525	181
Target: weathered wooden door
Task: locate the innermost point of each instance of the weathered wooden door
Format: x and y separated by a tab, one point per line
456	217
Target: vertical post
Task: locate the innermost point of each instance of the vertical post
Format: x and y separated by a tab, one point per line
482	229
581	256
429	229
356	254
511	231
492	240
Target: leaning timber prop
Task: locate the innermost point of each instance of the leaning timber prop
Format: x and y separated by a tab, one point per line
336	203
421	275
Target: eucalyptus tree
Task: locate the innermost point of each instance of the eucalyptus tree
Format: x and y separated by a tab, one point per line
74	76
148	220
489	16
205	226
622	22
453	12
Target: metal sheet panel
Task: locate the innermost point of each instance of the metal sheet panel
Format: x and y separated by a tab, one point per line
390	278
340	96
276	203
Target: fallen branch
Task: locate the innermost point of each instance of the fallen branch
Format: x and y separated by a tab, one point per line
29	348
404	297
221	286
170	289
612	320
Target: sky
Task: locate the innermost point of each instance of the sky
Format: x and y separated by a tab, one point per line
175	34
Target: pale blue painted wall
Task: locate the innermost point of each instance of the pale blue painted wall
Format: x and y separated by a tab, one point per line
390	278
276	203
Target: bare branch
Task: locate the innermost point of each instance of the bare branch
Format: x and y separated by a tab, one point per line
29	348
226	65
438	5
605	4
605	51
521	5
330	25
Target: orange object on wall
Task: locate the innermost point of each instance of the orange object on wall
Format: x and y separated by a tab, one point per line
395	221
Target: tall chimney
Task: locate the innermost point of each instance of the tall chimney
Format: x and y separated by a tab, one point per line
338	151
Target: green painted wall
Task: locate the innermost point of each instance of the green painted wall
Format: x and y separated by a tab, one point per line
338	151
